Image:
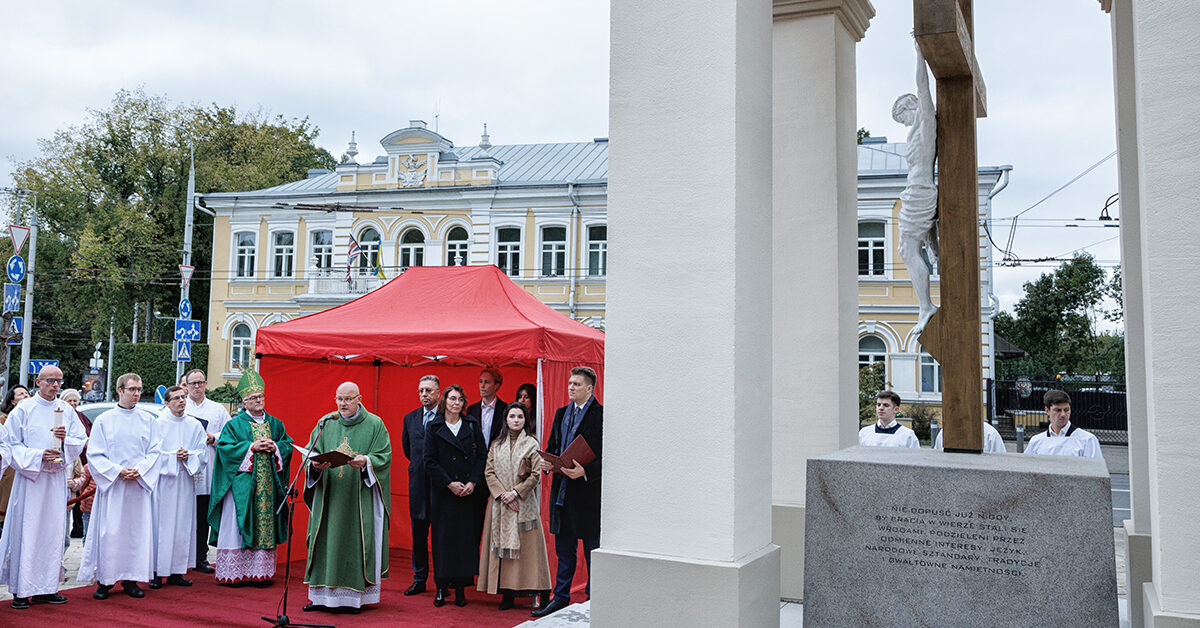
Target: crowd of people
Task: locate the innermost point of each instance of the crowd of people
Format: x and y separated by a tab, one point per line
1061	438
156	491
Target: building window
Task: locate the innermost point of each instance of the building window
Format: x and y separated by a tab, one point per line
244	251
239	348
931	374
368	243
322	249
597	251
412	249
871	349
283	253
508	251
554	251
456	247
871	247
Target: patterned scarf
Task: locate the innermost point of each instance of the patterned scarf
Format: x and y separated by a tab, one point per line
505	458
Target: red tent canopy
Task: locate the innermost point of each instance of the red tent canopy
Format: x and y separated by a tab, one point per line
448	321
473	313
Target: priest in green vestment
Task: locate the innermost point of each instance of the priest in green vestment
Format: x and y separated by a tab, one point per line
250	478
350	507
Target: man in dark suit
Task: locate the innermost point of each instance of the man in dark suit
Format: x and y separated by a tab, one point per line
575	495
488	409
413	441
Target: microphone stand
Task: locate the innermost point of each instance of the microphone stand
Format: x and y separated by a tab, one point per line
282	620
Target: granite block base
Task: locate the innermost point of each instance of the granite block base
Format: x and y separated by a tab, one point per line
906	537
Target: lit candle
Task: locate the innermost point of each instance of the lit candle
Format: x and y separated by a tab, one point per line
58	422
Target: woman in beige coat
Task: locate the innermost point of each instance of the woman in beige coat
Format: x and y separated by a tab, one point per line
512	556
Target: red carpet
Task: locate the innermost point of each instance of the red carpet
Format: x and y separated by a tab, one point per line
206	604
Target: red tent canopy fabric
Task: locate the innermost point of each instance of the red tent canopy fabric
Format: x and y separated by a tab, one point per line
462	312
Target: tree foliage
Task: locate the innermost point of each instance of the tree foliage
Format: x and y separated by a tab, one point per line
111	195
1054	324
871	380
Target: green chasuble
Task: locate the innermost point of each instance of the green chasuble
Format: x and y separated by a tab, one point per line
341	526
258	493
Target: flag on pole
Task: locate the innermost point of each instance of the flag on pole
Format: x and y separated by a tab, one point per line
354	251
348	278
379	270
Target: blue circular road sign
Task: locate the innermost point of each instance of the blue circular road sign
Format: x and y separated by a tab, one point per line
16	268
185	308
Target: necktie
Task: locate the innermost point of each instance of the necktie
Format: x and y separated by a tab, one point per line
428	417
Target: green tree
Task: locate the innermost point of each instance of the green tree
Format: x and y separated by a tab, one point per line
863	133
110	202
871	380
1053	323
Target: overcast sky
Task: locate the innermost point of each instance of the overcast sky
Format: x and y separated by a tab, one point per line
537	71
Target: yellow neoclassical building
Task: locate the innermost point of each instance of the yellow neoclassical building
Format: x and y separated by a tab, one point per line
538	211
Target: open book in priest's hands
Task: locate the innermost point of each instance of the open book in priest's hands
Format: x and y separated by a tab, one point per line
335	458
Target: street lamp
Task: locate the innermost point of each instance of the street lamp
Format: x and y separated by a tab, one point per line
188	220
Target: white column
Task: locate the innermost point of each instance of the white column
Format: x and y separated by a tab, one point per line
686	527
814	238
1137	529
1167	97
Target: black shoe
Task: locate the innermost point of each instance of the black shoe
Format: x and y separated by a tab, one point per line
20	603
156	582
50	598
102	591
460	597
506	602
310	607
179	581
439	598
555	605
543	598
132	589
205	568
262	584
415	588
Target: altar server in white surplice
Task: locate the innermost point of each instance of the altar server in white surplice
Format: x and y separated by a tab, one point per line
180	458
992	441
213	416
39	446
1063	438
887	432
122	456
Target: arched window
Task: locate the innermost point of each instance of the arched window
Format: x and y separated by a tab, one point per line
871	349
597	251
554	251
239	348
508	250
283	253
456	247
322	248
871	249
243	243
931	374
368	243
412	249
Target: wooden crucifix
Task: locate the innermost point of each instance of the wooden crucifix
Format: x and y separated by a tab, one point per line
944	31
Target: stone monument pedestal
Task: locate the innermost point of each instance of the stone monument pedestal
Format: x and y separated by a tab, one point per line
904	537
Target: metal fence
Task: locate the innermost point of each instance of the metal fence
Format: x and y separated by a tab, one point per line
1097	405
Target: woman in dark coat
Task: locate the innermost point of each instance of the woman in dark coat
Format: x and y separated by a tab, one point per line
455	457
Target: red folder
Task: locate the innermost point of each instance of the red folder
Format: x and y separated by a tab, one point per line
577	451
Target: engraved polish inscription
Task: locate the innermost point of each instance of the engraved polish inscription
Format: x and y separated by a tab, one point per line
954	540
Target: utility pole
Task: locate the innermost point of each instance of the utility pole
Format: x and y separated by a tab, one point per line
188	220
33	229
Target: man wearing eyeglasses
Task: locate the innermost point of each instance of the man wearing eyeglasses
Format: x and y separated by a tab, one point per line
250	478
123	458
213	416
349	504
40	449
